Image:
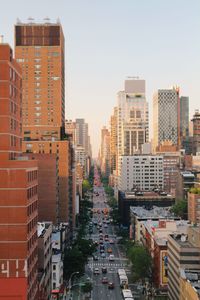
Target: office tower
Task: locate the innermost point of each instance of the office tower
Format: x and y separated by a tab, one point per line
39	49
105	151
113	141
196	132
184	118
133	124
70	130
18	191
132	120
165	116
82	133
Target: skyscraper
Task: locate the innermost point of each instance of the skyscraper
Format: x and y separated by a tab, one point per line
132	119
18	191
39	49
113	141
165	116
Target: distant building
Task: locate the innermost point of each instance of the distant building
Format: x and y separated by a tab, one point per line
165	116
196	132
132	119
141	172
184	120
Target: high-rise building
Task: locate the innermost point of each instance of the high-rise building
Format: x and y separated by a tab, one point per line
196	132
39	49
132	121
113	141
82	134
18	191
105	151
184	119
165	116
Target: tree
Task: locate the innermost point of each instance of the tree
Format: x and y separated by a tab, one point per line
87	287
180	209
141	262
73	262
86	186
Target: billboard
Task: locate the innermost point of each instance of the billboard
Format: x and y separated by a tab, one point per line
163	267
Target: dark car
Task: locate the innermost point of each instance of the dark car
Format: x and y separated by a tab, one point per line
104	270
104	280
111	285
95	257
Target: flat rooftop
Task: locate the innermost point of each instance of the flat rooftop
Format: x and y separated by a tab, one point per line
147	195
193	277
154	213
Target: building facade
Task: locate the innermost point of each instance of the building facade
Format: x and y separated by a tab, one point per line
39	49
18	191
165	116
142	172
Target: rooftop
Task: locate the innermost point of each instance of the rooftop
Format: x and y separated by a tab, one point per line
193	277
154	213
146	195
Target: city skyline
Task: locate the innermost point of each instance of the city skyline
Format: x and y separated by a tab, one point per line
97	36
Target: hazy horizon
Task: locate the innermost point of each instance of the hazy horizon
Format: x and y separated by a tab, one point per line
106	41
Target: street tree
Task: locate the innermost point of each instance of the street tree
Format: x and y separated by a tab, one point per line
141	262
180	209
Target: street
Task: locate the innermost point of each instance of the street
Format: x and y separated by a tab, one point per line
103	234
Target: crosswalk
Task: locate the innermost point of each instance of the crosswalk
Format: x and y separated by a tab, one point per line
110	266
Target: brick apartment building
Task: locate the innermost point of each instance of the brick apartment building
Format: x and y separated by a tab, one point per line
18	191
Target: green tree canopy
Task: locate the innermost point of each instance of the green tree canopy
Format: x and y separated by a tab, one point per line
180	209
86	186
141	262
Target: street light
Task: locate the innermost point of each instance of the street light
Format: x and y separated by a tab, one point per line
70	282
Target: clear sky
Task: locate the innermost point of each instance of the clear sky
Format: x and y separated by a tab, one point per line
107	40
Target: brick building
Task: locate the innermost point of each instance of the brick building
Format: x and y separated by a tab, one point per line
18	191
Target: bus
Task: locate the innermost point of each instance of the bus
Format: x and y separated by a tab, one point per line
123	279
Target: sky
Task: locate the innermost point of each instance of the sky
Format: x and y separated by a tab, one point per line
108	40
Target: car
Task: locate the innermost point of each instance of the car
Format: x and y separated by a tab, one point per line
106	236
101	250
105	226
103	255
100	230
111	242
101	241
96	257
104	280
106	239
104	270
111	257
96	242
111	285
109	250
96	271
